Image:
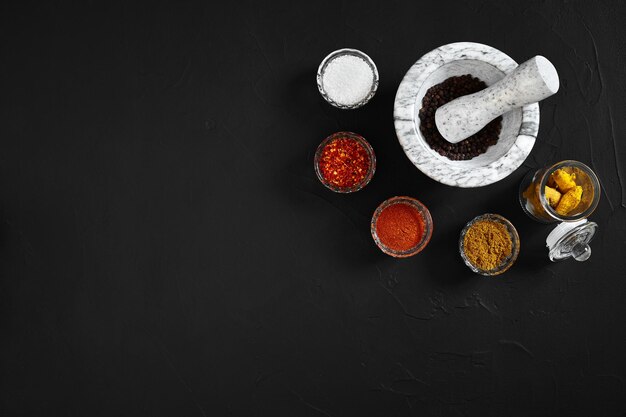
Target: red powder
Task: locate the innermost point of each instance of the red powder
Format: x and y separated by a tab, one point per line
400	227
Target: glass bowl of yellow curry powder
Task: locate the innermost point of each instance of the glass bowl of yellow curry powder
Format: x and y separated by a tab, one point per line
489	244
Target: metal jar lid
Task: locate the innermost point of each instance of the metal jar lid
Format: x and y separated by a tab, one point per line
571	239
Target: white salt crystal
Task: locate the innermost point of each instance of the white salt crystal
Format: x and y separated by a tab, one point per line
347	79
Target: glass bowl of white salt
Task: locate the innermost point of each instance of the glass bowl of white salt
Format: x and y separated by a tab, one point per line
347	78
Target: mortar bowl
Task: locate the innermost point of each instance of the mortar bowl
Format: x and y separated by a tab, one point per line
519	126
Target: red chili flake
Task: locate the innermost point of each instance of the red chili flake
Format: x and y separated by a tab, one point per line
344	162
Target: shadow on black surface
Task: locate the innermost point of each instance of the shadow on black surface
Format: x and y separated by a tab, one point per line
442	262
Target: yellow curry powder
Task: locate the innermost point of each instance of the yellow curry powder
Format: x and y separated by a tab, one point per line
487	244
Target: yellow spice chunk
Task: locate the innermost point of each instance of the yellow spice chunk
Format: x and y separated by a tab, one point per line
552	195
570	200
528	192
531	194
563	180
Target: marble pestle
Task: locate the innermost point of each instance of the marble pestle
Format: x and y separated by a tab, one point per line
530	82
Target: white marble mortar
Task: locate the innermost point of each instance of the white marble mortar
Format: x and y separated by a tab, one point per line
519	126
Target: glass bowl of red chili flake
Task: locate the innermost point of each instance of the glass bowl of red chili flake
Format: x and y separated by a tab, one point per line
345	162
401	226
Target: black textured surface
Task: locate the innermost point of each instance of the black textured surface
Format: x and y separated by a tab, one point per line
166	250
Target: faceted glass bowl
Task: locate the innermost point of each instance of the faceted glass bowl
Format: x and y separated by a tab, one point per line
370	152
508	261
428	226
336	54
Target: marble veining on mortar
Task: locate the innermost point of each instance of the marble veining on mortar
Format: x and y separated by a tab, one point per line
519	127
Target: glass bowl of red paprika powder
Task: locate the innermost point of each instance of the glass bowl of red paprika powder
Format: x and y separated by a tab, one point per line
402	226
345	162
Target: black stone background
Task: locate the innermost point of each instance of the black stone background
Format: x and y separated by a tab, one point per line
166	249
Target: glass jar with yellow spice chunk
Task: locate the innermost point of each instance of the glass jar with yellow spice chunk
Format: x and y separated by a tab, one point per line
489	244
566	191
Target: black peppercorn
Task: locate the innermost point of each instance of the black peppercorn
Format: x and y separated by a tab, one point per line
440	94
